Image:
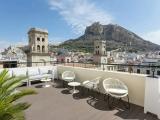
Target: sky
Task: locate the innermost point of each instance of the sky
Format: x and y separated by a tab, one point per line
66	19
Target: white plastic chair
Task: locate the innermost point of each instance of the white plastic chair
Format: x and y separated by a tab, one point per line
115	88
68	76
92	84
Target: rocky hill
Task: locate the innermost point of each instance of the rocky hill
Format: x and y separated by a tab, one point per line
115	36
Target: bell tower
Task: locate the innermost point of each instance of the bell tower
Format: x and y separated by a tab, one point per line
99	54
38	40
38	46
100	47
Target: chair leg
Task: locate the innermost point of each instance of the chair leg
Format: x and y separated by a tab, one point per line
110	104
108	101
104	98
98	90
82	90
128	102
94	94
113	102
88	91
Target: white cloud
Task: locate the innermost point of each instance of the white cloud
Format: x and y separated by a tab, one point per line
80	13
153	36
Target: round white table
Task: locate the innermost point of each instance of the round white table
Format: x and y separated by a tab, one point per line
74	84
46	80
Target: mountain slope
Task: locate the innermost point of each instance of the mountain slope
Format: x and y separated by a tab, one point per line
115	36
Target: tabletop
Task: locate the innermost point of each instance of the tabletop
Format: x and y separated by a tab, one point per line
74	84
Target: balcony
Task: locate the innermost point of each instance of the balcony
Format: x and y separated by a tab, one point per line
57	103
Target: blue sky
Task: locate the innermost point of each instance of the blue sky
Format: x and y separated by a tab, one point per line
67	19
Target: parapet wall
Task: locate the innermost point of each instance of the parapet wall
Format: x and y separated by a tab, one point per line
135	82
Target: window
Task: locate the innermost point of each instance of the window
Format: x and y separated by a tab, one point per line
43	48
67	60
38	48
147	71
138	71
43	40
38	39
158	72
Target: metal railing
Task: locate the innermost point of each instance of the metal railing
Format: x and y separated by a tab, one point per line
141	69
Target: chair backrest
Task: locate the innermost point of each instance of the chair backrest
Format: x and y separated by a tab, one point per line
113	83
68	74
96	80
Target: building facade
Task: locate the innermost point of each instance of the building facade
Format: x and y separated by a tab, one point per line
13	57
38	47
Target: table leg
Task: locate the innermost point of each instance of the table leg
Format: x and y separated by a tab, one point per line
54	83
74	90
46	84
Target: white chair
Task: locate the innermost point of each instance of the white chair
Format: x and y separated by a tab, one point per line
92	84
115	88
68	76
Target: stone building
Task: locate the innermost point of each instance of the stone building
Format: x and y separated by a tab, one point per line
12	57
38	47
100	55
64	58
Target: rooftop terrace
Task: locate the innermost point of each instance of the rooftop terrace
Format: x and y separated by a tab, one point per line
59	104
56	103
